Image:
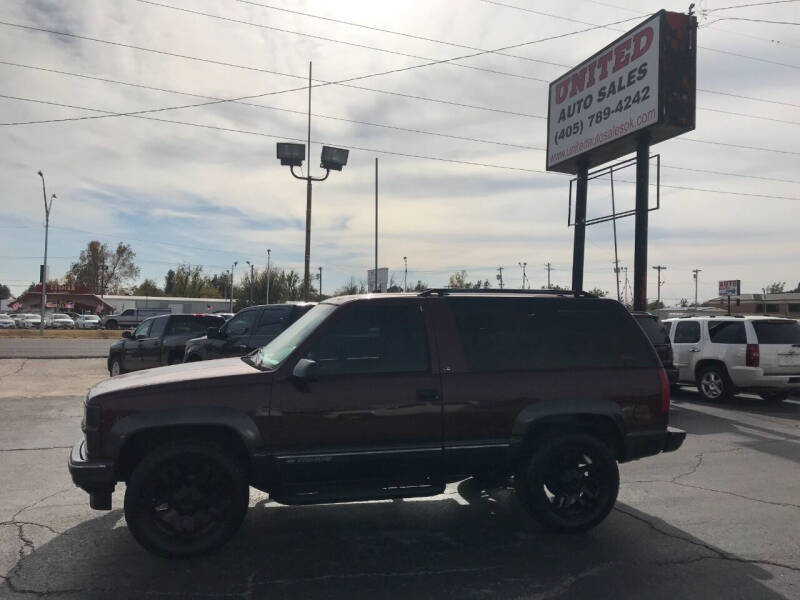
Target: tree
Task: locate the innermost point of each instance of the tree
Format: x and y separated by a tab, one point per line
148	288
598	292
683	303
655	304
420	286
350	288
188	281
459	280
5	293
103	270
776	287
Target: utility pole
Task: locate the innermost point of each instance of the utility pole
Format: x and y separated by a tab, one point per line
500	276
548	267
251	282
269	251
320	283
616	274
377	285
232	268
695	273
523	265
614	223
659	268
405	273
43	276
626	285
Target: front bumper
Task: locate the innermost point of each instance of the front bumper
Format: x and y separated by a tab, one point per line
93	476
650	443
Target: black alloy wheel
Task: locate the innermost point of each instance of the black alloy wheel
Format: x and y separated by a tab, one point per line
185	499
570	483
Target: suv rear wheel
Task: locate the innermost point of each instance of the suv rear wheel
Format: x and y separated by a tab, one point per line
713	383
111	325
185	499
570	483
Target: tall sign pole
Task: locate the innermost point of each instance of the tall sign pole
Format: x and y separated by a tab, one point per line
307	274
640	233
579	242
377	285
43	275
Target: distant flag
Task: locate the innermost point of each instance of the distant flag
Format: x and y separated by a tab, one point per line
69	304
14	305
99	308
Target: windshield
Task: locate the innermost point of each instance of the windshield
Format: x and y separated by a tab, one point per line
777	332
58	316
271	355
91	318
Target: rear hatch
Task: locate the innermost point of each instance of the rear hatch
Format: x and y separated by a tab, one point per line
658	337
779	346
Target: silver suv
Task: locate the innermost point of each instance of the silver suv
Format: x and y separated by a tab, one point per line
131	317
726	355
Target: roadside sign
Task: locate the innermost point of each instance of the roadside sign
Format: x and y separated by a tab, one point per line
383	280
731	287
645	80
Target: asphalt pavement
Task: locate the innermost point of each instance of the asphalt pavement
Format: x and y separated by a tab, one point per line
718	518
53	348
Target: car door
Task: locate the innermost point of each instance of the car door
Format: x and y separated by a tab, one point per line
374	410
151	347
686	348
235	335
132	352
272	320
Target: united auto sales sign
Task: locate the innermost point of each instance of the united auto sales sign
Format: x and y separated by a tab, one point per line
595	108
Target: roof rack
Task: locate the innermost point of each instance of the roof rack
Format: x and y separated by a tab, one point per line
448	291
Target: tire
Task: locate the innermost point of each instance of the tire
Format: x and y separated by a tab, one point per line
193	358
111	325
570	483
775	397
186	499
713	384
115	367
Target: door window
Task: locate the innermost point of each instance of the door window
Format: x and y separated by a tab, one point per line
373	338
727	332
273	321
158	326
241	325
687	332
143	329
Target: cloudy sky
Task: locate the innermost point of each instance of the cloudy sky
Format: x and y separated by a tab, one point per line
210	196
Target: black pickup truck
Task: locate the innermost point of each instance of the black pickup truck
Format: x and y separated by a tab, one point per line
157	341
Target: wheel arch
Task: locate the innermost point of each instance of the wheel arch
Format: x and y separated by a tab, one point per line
709	362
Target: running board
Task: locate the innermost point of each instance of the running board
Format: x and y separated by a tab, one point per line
351	493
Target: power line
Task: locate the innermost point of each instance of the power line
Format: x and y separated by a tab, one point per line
771	22
764	60
332	40
735	6
391	152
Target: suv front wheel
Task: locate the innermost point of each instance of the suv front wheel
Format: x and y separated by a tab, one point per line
185	499
713	383
570	483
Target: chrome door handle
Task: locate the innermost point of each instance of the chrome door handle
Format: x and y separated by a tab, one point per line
694	350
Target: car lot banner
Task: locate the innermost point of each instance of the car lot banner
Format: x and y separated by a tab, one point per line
731	287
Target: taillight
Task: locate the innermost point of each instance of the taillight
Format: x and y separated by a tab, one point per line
753	355
662	375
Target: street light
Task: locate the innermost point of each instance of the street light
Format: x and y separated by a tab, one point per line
43	274
269	251
236	262
291	155
251	281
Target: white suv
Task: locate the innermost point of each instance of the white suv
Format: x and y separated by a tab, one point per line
725	355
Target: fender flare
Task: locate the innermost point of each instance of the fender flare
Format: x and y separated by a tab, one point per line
209	416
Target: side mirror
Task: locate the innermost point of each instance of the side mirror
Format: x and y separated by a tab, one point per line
305	370
127	334
212	333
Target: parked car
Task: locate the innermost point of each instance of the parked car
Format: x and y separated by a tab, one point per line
726	355
247	330
157	341
73	315
88	322
225	315
30	321
6	322
658	336
384	396
59	321
20	317
131	317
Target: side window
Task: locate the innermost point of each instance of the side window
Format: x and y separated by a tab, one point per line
127	313
241	324
373	338
687	332
727	332
158	326
273	321
143	329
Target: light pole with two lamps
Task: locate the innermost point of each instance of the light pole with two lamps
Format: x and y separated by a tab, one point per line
43	274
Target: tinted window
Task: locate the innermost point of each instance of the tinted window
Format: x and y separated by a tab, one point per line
127	313
687	332
143	329
242	324
654	330
777	332
727	332
273	321
514	334
158	326
190	324
773	308
373	338
794	308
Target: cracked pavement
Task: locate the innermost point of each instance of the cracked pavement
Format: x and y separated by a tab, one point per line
719	517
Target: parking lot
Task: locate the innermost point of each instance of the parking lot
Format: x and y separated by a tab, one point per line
721	516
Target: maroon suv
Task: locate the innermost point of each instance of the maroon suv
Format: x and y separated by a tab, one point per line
384	396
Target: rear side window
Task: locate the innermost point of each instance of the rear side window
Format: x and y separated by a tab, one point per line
157	328
654	330
188	324
372	338
777	332
521	334
727	332
687	332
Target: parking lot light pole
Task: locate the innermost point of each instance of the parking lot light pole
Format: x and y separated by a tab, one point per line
43	277
405	273
269	251
695	273
236	262
251	281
